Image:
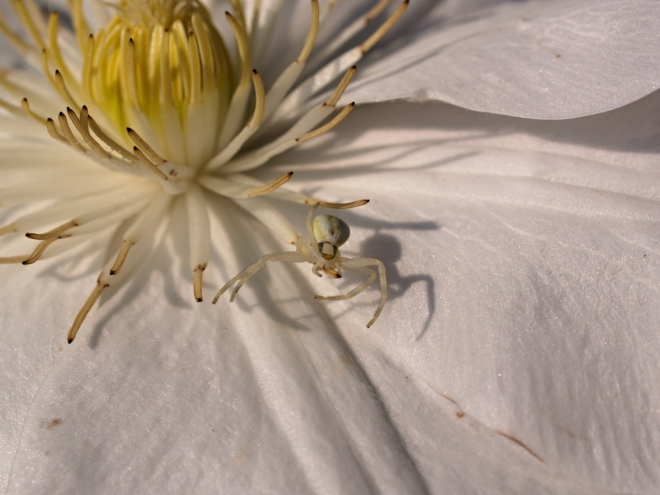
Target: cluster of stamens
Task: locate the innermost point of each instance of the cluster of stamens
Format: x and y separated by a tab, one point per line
159	110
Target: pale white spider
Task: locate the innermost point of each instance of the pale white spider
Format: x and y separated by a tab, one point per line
330	233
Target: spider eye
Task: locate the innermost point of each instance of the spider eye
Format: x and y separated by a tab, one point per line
331	230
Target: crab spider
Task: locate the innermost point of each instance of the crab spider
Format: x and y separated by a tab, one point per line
329	233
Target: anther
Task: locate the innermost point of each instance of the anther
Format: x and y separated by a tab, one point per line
384	28
52	233
84	131
145	147
341	87
311	37
52	130
39	251
111	143
198	281
66	130
260	100
269	188
337	206
330	125
121	257
25	105
82	314
61	85
146	162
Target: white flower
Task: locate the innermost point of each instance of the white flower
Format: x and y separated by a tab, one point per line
516	356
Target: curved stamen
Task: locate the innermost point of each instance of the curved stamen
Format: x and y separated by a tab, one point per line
329	126
269	188
82	314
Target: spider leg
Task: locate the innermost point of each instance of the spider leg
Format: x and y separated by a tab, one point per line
303	245
354	263
310	230
245	275
370	280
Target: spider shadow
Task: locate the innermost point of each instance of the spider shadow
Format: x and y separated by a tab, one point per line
389	250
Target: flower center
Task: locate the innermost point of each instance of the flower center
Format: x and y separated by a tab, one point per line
161	67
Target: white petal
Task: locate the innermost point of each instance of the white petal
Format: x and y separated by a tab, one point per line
540	59
519	290
525	259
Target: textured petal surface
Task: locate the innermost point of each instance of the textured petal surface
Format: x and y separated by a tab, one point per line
537	59
517	353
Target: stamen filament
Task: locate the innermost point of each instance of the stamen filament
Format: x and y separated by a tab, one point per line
82	314
28	22
62	89
55	47
248	131
8	229
12	260
236	112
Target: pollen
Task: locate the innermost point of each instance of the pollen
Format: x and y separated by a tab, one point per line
151	110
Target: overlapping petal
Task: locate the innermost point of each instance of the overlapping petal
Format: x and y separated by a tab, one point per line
536	59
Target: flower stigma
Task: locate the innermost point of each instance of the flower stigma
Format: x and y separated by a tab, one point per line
145	106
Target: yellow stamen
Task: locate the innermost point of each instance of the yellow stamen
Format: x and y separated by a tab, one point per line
382	30
311	36
198	281
268	188
39	251
147	163
330	125
260	100
341	87
26	108
144	146
52	233
121	257
82	314
54	133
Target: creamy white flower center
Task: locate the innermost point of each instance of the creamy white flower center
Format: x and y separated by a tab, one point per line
155	106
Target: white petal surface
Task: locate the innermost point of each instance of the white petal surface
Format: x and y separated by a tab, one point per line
517	353
537	59
541	274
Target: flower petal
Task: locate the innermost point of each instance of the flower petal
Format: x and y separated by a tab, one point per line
546	60
517	351
523	263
